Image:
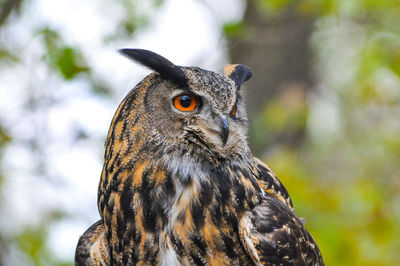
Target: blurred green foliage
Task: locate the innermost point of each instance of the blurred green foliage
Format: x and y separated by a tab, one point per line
32	242
233	29
67	60
321	8
7	57
346	179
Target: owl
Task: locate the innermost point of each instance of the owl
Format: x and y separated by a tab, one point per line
179	184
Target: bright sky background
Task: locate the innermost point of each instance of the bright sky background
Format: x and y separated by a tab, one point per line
186	32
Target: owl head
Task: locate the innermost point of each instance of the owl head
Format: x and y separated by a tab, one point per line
185	110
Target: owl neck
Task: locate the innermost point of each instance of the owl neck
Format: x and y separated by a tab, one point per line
224	181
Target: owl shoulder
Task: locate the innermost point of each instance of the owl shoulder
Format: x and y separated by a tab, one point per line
92	247
272	234
270	183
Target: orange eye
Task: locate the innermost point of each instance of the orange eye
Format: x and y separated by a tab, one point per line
185	102
233	112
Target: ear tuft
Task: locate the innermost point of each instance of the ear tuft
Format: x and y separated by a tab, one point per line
238	73
157	63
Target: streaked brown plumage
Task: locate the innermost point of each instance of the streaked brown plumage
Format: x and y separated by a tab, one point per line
180	185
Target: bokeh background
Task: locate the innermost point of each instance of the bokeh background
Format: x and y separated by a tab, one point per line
324	110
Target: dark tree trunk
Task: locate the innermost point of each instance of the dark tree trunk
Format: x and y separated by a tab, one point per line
276	49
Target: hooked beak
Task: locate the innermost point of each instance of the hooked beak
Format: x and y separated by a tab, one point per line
224	129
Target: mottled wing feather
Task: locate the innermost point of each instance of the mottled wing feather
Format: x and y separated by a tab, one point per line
92	248
270	183
272	234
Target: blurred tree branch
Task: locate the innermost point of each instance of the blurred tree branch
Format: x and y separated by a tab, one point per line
7	8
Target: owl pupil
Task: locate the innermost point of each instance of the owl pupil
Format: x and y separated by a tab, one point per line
185	101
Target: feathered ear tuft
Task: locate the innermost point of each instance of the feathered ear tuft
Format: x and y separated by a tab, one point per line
238	73
157	63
